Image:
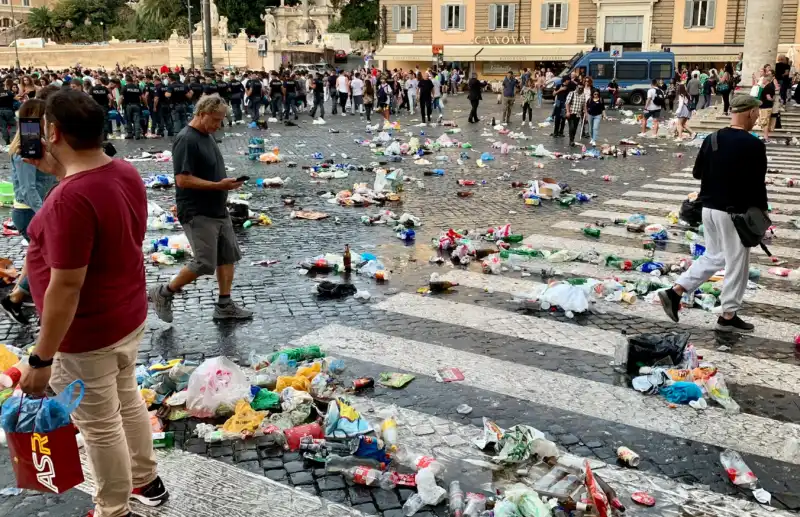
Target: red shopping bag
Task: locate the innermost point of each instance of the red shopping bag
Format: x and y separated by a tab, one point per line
46	462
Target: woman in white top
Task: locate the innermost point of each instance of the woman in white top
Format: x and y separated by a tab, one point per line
437	96
682	113
411	88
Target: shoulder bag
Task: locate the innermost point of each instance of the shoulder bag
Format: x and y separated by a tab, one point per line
752	225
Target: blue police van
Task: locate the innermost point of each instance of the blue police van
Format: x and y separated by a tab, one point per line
634	72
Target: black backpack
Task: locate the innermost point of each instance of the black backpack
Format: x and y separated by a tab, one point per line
659	100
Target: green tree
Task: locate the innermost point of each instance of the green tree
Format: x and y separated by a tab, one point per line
41	23
245	13
359	19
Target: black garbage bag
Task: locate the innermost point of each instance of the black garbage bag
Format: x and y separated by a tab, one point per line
653	349
328	289
691	212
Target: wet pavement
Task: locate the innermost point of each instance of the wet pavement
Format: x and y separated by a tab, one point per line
537	368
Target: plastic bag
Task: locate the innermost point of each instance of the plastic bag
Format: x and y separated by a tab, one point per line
718	391
569	297
738	471
215	387
342	421
265	399
653	349
527	501
22	414
681	392
521	442
691	212
245	420
505	508
303	353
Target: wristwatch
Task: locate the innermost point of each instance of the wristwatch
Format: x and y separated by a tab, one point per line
35	362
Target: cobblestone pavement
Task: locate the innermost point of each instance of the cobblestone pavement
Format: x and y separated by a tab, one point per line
536	368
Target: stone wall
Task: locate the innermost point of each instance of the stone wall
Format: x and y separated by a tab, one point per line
91	56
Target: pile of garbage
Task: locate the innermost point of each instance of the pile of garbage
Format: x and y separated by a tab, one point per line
364	264
163	156
159	181
159	219
668	365
534	191
169	250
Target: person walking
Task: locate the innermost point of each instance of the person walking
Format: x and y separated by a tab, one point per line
595	111
290	96
412	85
30	188
237	93
509	95
201	194
342	91
101	96
357	89
254	90
539	89
384	96
576	106
652	108
683	114
319	96
87	280
475	97
725	86
731	167
693	88
560	106
425	88
275	95
438	99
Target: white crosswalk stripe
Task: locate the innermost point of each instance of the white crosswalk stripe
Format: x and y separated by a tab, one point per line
667	208
741	431
605	216
788	207
766	328
675	236
551	242
772	192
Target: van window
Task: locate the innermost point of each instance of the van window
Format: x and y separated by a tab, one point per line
631	70
601	69
660	70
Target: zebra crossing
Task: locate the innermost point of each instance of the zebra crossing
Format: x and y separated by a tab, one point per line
555	372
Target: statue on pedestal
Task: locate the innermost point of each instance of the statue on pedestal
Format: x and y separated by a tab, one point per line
270	27
222	27
214	16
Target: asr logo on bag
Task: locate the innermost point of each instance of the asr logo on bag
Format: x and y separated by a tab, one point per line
45	471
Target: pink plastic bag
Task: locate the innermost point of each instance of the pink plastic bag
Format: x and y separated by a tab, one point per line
738	471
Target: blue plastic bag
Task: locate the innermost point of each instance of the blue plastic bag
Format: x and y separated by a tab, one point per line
22	414
681	392
487	157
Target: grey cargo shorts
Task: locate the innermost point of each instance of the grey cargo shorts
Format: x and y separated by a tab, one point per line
213	243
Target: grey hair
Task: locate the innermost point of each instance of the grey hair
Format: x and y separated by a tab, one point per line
210	104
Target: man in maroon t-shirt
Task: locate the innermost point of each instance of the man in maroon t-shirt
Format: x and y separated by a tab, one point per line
86	273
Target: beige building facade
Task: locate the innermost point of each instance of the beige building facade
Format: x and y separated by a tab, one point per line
493	36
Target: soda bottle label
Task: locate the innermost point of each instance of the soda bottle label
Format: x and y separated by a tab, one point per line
360	475
425	461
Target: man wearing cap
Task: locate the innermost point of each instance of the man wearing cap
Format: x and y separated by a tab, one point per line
731	181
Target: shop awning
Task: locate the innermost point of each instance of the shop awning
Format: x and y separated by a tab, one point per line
483	52
706	53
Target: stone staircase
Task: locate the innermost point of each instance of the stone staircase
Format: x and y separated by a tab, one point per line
783	158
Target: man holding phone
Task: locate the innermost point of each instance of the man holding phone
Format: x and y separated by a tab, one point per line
201	195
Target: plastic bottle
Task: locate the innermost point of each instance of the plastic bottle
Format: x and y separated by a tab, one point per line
591	232
413	505
417	461
440	286
347	258
10	377
467	183
369	477
621	351
456	496
338	463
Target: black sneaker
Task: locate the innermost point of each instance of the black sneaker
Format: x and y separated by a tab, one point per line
735	324
14	310
154	494
670	302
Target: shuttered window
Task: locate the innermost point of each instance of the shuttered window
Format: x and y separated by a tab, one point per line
700	13
404	17
502	16
555	15
454	17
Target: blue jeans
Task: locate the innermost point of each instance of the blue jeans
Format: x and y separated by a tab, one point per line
21	217
594	126
539	98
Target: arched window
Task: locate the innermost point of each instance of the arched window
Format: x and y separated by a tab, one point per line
5	22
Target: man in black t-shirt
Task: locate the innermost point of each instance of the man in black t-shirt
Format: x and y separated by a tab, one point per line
254	90
290	95
560	105
7	117
132	103
318	87
425	88
177	94
236	89
332	93
209	88
765	119
201	193
197	88
224	91
276	95
102	96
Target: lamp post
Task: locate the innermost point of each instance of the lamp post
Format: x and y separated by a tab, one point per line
14	28
103	27
207	66
191	37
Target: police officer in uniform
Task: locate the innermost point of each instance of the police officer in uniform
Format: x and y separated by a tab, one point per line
102	96
254	94
290	96
132	103
160	109
147	109
178	95
224	90
236	89
318	87
197	88
276	95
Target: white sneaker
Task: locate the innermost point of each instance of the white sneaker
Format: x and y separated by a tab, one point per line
642	135
593	143
344	114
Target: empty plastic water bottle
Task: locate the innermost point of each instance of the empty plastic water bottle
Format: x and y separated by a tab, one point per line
621	351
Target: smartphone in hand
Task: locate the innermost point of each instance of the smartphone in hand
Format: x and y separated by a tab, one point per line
242	179
30	138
